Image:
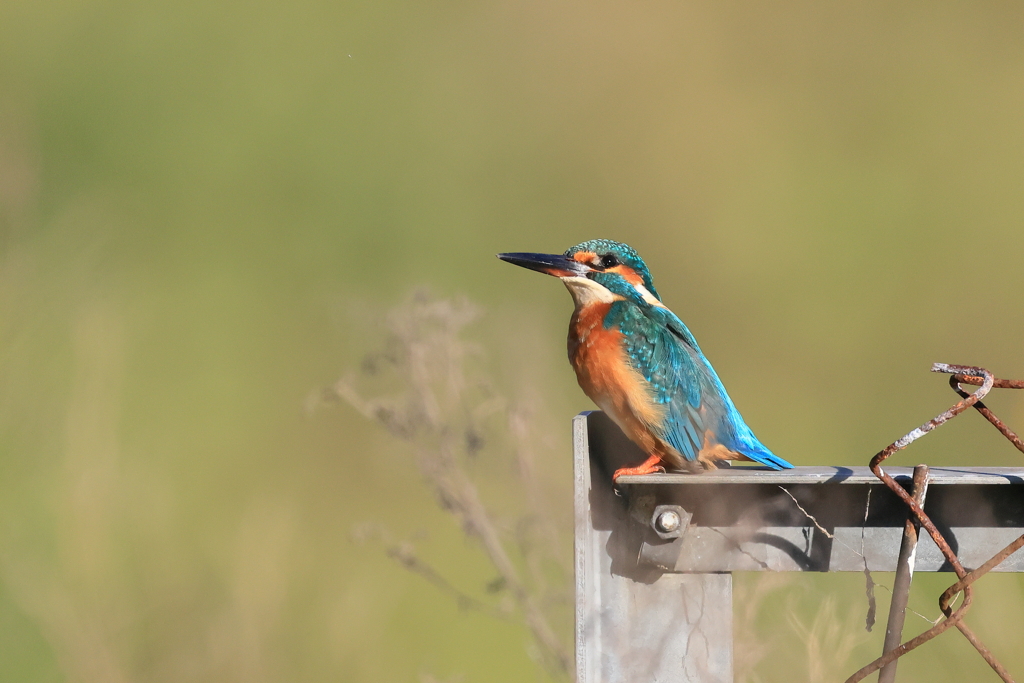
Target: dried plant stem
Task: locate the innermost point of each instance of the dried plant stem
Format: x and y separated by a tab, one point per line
459	495
441	415
477	522
405	556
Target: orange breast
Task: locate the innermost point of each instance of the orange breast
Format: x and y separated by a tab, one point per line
604	374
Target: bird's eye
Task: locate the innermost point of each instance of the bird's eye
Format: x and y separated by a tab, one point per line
609	261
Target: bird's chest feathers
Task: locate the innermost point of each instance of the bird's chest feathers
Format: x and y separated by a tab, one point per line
589	340
598	355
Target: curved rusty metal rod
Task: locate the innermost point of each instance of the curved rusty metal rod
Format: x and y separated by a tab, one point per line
952	617
956	380
914	642
976	377
976	381
982	649
948	595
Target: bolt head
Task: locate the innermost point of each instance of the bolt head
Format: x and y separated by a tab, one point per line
668	521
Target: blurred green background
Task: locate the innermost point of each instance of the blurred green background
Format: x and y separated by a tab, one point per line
206	207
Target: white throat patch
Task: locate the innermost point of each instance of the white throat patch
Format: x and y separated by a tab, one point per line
585	292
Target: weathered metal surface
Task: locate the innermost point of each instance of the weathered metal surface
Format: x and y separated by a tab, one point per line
755	519
634	623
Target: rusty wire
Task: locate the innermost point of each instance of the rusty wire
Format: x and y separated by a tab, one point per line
960	374
956	380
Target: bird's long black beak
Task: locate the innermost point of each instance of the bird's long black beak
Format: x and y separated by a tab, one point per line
552	264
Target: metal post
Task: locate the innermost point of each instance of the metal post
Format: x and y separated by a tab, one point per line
635	622
904	574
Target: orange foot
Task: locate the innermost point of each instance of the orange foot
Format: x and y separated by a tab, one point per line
652	464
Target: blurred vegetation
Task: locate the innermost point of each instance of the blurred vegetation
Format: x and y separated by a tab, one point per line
206	210
461	432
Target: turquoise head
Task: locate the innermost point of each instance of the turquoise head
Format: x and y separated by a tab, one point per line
593	266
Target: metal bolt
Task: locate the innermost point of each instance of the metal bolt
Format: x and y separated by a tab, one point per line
668	521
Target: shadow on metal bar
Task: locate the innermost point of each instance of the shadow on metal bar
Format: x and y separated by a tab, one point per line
983	379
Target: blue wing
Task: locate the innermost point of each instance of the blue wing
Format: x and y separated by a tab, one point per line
662	349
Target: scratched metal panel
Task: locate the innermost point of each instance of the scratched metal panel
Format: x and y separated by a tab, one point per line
974	545
636	623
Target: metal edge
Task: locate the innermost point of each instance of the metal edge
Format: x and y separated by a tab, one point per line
581	516
830	475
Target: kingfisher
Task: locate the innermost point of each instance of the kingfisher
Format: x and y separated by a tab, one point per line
641	365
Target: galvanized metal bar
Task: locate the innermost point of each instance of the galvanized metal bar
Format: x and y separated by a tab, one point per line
904	575
750	527
813	518
635	622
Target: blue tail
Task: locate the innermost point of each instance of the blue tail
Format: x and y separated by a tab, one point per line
758	452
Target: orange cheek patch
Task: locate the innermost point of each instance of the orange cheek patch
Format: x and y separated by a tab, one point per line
627	273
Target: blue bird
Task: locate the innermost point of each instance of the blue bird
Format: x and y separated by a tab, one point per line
640	364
